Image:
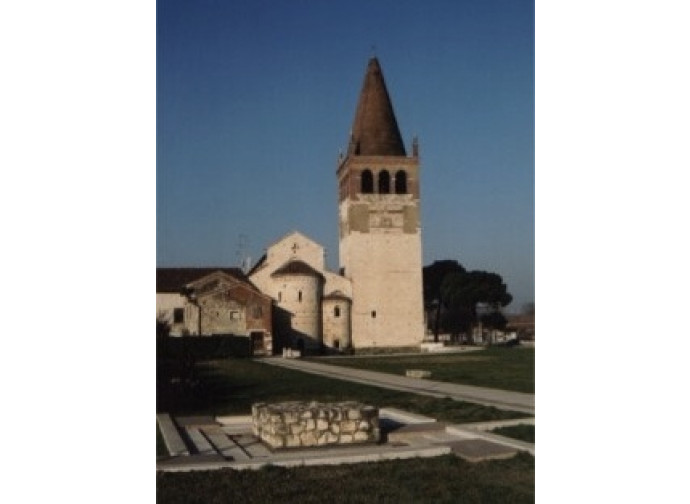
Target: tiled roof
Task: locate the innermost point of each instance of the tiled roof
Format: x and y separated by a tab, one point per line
173	279
337	295
375	131
296	267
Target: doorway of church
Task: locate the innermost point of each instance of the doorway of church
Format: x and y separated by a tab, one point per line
258	347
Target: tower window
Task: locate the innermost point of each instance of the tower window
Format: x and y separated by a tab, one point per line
336	311
367	182
400	182
299	296
178	316
280	296
373	313
384	182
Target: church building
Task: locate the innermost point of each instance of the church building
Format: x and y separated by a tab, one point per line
375	300
311	304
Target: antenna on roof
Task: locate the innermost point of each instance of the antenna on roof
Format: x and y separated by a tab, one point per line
243	260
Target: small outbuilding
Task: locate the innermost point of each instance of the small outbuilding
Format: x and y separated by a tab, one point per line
214	301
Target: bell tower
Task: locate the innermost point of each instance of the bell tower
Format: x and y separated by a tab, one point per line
380	230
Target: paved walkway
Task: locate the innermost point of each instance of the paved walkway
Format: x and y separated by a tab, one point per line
503	399
204	443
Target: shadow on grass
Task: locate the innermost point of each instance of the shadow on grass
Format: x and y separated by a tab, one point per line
521	432
231	386
439	479
203	392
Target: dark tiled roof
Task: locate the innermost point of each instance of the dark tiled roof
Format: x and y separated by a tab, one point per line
337	295
173	279
520	320
296	267
375	131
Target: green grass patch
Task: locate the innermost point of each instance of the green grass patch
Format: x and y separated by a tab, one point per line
522	432
231	386
506	368
445	479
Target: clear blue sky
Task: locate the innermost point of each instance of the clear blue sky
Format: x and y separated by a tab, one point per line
256	98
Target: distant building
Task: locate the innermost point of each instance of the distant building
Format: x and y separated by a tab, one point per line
311	304
522	324
207	301
375	301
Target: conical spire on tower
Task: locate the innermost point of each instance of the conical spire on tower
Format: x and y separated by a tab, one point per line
375	131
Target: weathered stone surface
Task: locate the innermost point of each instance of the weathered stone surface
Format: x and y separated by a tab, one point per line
307	424
308	438
291	416
276	441
417	373
354	414
348	426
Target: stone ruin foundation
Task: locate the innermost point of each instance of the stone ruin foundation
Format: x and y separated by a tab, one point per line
309	424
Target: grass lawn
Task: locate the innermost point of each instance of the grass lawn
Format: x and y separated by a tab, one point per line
521	432
445	479
230	386
507	368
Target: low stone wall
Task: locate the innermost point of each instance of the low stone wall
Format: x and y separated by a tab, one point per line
417	373
308	424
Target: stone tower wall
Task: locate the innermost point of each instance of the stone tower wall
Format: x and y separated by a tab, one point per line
381	252
386	272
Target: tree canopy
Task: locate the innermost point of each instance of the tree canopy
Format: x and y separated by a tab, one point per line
464	297
432	279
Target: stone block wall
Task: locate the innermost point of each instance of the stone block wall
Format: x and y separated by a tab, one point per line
309	424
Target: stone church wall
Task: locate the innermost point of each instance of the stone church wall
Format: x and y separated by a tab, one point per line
300	295
336	323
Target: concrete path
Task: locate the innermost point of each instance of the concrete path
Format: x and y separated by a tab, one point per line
502	399
171	436
409	435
